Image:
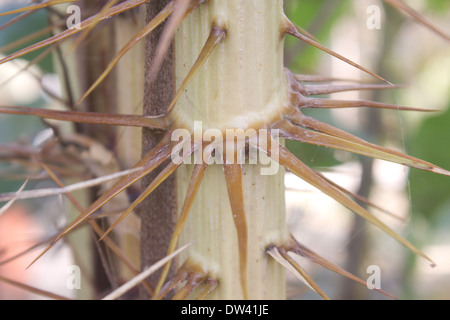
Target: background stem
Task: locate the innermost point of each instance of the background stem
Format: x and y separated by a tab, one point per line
157	212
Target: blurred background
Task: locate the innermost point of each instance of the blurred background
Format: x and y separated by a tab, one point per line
401	51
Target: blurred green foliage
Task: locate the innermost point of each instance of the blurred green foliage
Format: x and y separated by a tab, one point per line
33	23
430	191
19	128
317	17
438	6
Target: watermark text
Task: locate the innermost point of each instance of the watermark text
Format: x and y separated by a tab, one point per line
374	20
234	146
73	281
374	280
74	19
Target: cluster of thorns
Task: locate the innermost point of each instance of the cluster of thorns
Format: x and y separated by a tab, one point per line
293	125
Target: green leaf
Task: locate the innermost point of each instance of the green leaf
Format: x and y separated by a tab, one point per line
432	143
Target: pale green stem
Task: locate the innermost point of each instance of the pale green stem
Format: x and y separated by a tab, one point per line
242	85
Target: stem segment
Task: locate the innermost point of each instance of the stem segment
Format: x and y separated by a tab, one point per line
241	84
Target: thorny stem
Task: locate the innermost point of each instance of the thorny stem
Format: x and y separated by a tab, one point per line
221	75
157	212
233	80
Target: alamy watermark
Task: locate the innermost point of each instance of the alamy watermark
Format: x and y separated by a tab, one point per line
374	19
74	19
73	280
233	146
374	280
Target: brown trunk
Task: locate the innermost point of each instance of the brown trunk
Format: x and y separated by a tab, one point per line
158	211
